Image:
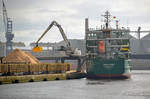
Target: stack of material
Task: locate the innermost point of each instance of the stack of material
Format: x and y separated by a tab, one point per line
19	56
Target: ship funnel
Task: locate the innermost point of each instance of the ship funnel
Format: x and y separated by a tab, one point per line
86	27
86	24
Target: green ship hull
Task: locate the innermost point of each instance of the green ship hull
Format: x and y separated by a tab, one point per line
108	68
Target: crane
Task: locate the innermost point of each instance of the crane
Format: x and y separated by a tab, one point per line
8	29
69	51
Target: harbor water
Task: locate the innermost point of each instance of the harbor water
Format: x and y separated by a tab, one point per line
138	87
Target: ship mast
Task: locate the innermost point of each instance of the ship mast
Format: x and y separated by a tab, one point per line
107	18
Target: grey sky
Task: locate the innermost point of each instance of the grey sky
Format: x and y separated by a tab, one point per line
31	17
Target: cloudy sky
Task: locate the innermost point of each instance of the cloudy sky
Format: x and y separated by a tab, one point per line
31	17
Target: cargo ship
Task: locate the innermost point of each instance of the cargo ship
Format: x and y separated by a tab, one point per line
108	50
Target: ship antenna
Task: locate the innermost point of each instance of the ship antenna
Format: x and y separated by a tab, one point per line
107	18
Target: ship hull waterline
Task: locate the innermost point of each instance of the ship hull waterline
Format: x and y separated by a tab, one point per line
109	76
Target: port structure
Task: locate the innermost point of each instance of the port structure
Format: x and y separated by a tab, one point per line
70	53
68	50
139	32
8	30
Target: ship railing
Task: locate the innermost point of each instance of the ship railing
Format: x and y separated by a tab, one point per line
109	39
113	30
117	46
123	38
95	29
91	46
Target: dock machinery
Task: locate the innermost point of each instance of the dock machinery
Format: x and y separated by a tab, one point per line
70	53
68	50
8	30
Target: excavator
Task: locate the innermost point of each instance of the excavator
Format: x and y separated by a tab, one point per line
68	50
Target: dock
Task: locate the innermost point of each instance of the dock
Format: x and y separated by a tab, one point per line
41	77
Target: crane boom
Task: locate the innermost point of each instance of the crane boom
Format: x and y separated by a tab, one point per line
63	35
5	17
61	31
48	28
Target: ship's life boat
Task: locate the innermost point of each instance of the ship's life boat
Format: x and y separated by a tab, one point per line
101	47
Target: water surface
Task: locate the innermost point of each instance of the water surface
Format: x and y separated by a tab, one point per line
138	87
